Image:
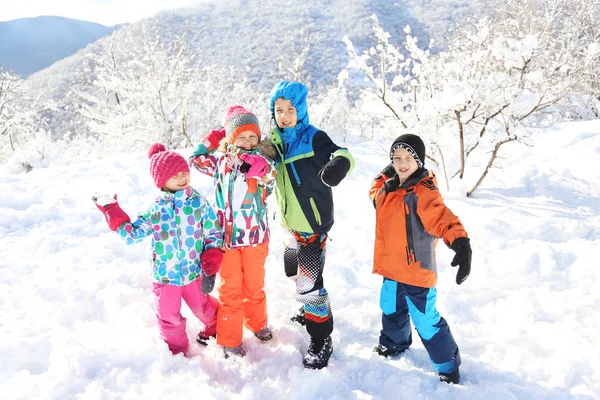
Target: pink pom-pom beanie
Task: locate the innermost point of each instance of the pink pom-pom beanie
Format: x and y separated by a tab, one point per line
164	164
238	120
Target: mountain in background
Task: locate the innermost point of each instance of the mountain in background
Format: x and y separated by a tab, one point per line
259	40
28	45
256	42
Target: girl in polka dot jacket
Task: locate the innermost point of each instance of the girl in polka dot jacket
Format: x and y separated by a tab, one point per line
186	242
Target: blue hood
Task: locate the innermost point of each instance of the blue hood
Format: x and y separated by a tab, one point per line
296	93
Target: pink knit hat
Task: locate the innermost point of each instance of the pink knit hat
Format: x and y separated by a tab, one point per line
238	120
164	164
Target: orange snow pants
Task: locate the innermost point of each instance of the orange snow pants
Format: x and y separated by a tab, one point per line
242	300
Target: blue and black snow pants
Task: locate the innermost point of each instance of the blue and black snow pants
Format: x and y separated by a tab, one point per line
398	302
304	261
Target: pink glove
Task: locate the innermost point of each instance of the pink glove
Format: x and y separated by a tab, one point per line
211	261
113	213
258	165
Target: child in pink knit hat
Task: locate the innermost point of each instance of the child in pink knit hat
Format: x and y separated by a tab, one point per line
186	241
243	180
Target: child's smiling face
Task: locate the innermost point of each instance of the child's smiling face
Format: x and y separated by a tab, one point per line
404	163
247	140
178	182
285	113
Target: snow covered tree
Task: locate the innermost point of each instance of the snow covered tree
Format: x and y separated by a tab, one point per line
145	89
20	118
295	70
155	88
397	90
517	66
10	91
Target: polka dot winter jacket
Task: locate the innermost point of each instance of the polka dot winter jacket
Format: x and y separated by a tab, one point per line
182	225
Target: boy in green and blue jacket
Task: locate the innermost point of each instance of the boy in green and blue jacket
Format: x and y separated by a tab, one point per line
308	165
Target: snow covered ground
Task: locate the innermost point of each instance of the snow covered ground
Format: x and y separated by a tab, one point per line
77	314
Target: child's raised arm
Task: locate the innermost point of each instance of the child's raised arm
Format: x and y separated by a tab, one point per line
386	173
136	231
336	161
202	158
120	222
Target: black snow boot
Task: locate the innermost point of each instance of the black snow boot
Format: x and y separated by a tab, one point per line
319	351
299	317
385	352
452	377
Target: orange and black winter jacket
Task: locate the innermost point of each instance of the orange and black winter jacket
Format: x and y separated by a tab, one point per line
409	220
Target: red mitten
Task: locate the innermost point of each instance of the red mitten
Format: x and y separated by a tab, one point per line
113	213
211	139
211	261
258	165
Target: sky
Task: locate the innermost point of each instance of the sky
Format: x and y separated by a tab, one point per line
78	317
105	12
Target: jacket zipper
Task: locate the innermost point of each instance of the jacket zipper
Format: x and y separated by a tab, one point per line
228	217
280	150
295	173
315	210
410	249
177	251
177	230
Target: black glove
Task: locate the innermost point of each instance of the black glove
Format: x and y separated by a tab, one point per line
389	171
392	184
208	283
462	248
334	171
245	167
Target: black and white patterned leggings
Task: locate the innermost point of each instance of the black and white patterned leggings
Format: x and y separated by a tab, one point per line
304	261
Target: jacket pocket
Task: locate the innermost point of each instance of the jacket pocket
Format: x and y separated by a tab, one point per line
313	205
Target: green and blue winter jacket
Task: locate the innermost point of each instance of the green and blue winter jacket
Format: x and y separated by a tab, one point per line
306	203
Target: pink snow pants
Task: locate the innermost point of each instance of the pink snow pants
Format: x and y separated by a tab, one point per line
168	311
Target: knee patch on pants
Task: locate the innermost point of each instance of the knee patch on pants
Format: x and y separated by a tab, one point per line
290	257
290	263
425	322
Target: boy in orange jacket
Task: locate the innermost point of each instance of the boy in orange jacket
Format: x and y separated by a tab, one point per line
410	217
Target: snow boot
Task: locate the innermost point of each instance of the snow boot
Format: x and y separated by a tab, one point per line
299	317
206	334
318	353
264	335
385	352
452	377
234	351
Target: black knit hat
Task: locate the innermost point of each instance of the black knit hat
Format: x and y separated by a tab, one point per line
411	143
